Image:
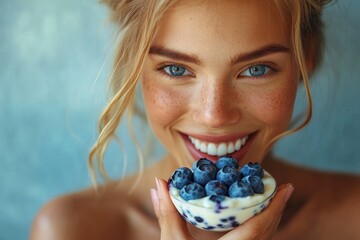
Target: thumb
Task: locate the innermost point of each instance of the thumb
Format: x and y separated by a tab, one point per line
171	223
264	225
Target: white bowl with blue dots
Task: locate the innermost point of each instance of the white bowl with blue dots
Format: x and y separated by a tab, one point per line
227	214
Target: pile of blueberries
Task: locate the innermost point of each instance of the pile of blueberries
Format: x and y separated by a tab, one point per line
218	180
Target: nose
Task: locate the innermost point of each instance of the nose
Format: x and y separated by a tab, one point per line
217	105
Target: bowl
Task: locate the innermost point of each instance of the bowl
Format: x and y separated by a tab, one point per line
210	214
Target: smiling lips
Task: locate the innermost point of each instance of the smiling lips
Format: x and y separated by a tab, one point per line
218	149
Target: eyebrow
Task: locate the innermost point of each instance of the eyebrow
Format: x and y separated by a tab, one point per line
261	52
175	55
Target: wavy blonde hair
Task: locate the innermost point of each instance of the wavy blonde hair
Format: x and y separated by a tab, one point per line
138	22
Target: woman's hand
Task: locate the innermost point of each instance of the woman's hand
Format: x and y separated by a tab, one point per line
262	226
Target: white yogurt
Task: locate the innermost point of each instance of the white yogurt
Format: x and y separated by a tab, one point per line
209	215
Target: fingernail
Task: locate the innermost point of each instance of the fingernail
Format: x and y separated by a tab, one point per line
159	188
157	183
154	196
155	200
289	191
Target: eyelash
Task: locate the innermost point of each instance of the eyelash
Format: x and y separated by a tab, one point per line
269	70
163	67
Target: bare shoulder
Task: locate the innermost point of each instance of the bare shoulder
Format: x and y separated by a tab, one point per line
340	199
334	210
77	216
324	204
109	213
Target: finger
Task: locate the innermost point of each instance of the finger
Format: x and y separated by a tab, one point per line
155	201
171	223
265	224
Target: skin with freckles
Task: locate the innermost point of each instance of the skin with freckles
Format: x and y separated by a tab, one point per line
216	95
218	78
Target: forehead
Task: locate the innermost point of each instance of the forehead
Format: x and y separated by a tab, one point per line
227	26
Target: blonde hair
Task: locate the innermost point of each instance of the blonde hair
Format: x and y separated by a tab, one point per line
307	42
138	21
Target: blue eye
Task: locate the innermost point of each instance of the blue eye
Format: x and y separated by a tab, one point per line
176	71
256	71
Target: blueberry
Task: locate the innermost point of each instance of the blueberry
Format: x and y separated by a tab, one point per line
240	189
216	187
252	169
181	177
192	191
217	198
200	162
255	182
205	173
228	175
227	161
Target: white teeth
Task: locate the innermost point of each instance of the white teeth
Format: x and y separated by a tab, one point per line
218	149
211	149
231	148
238	145
222	149
243	140
203	148
197	143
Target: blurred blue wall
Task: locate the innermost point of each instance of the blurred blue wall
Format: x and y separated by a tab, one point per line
50	98
332	139
53	69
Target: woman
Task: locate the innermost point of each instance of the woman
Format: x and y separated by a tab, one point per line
215	73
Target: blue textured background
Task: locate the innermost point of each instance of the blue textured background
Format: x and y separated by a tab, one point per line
53	69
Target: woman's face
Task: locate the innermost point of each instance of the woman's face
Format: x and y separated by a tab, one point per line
220	79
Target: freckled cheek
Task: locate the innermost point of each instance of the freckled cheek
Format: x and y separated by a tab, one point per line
163	105
274	107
